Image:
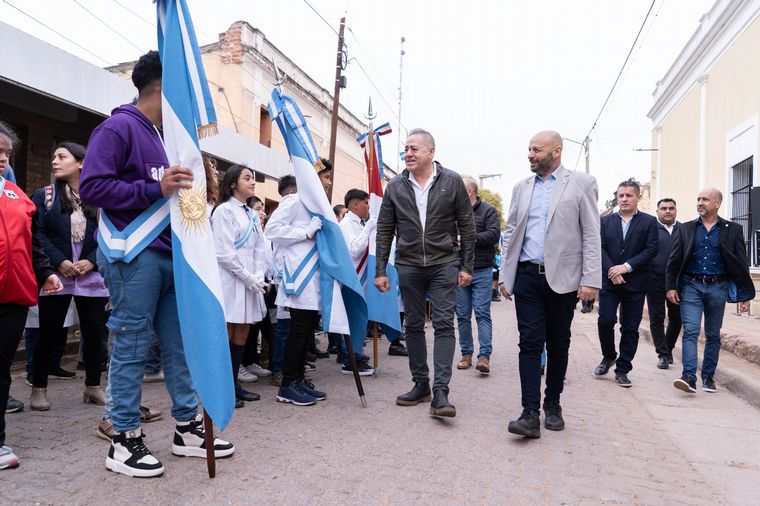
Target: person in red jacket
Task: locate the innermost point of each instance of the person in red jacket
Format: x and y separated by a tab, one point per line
23	265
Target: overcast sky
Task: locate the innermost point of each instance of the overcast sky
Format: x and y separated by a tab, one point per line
481	76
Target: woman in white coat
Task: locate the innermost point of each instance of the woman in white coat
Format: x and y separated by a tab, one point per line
241	254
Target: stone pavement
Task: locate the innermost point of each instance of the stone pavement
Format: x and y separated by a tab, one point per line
650	444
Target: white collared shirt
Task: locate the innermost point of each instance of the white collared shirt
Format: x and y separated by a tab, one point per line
421	194
669	228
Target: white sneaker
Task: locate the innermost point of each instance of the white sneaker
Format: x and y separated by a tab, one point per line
258	370
246	376
190	441
8	459
129	455
153	377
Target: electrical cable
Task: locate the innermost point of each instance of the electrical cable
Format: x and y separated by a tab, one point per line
320	17
88	11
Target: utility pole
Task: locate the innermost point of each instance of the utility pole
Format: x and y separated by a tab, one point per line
400	81
340	63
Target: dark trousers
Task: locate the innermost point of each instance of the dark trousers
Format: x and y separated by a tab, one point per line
543	319
53	310
252	344
631	306
32	335
302	323
664	339
439	283
12	320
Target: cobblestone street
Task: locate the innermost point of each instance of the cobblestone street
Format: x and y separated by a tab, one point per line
650	444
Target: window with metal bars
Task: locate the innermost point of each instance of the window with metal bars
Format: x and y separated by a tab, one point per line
740	198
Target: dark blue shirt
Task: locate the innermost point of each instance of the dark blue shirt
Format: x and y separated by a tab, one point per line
706	259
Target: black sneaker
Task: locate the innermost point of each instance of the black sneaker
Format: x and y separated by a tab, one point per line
708	385
61	373
622	380
553	415
686	384
190	441
129	455
364	369
396	349
528	425
14	406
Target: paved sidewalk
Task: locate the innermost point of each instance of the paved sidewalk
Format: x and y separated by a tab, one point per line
650	444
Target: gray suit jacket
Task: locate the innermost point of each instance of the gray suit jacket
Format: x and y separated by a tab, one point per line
572	253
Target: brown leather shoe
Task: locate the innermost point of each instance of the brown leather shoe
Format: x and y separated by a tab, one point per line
465	363
483	366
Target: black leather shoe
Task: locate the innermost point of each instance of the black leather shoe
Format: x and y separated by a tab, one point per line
441	406
553	415
244	395
528	425
396	349
239	404
622	380
662	363
319	353
604	366
419	393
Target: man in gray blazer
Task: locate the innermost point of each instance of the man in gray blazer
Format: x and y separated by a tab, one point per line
553	258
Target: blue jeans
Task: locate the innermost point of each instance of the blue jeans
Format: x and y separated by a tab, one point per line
153	360
144	302
281	331
698	299
477	296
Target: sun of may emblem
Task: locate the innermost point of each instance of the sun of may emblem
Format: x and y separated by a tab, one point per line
192	207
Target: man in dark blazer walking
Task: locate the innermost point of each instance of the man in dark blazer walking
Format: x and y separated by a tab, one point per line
709	258
629	243
664	338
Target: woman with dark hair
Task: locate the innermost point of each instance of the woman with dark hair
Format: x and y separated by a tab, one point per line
21	261
241	253
65	228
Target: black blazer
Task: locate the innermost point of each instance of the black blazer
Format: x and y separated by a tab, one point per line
638	249
53	229
733	251
664	247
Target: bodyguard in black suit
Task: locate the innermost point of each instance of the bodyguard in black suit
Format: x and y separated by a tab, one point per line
629	243
664	339
709	258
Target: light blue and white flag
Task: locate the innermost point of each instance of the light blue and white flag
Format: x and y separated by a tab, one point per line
344	309
188	112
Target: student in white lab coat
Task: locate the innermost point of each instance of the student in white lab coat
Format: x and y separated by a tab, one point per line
241	254
291	228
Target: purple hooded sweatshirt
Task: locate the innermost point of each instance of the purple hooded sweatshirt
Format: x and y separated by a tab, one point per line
122	171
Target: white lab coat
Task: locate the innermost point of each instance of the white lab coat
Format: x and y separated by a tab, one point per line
286	229
239	267
356	236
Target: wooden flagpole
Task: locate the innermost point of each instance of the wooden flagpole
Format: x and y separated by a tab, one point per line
208	426
371	166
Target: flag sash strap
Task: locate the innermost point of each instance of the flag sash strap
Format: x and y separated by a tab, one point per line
296	282
125	245
242	239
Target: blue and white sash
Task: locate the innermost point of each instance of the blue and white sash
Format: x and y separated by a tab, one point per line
242	239
125	245
296	282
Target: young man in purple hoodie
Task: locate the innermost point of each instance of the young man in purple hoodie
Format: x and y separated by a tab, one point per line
125	174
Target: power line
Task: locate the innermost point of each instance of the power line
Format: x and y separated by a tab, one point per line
633	46
150	23
320	16
58	33
88	11
390	108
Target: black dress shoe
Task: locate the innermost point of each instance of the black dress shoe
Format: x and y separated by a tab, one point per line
239	404
528	425
622	380
396	349
419	393
553	415
604	366
662	363
441	406
61	373
244	395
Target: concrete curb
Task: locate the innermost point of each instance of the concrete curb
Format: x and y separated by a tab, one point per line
736	374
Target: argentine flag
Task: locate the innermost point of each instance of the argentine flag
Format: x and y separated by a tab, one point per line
344	309
188	112
383	306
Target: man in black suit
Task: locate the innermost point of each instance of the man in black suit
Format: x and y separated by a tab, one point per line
708	262
664	340
629	243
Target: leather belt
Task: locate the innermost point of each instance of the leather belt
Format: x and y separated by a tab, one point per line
530	266
706	280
